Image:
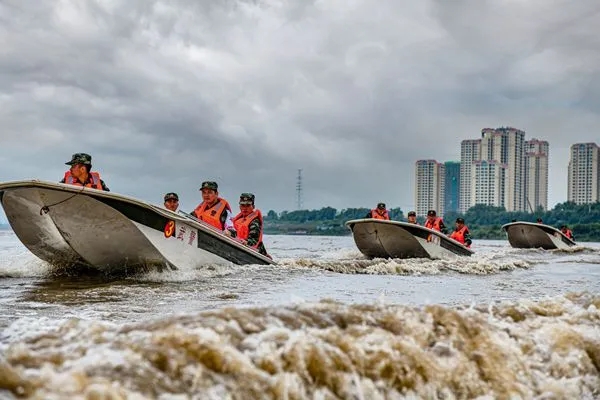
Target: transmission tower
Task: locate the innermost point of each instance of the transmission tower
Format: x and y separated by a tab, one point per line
299	190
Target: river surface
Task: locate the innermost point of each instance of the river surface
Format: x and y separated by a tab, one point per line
325	323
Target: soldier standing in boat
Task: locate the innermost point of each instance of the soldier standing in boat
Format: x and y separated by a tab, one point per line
249	224
214	210
379	212
567	232
80	173
434	222
461	233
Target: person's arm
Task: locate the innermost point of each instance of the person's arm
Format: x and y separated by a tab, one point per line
443	228
468	240
254	232
227	222
193	213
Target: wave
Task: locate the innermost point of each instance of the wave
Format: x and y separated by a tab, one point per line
521	349
480	265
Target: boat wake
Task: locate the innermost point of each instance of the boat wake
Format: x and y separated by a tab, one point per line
474	265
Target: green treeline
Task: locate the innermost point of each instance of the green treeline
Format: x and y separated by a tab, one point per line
483	221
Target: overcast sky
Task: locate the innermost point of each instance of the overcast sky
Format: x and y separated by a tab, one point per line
166	94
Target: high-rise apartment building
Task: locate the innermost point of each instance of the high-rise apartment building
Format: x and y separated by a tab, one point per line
507	146
429	187
488	185
469	152
536	174
503	149
451	186
584	173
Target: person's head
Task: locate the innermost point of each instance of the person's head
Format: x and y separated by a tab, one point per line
412	217
539	220
563	228
246	203
431	214
460	222
81	164
380	208
209	191
171	201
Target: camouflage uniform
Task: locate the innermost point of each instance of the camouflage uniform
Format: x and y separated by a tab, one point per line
443	228
254	228
254	234
85	159
468	238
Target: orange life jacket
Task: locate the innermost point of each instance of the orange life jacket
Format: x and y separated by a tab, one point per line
242	225
93	182
568	233
435	225
212	215
459	235
376	215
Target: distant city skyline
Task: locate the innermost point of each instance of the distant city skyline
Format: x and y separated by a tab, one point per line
503	169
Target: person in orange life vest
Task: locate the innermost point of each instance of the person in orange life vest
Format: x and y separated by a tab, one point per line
171	201
249	224
435	223
567	232
80	173
378	213
412	217
213	209
461	233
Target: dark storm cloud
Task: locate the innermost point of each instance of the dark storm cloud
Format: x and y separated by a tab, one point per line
167	94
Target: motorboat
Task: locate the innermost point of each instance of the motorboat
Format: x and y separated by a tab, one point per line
67	225
376	238
528	235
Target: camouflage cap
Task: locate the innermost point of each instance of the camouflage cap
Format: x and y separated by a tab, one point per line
431	213
381	205
460	220
412	214
171	195
80	158
209	185
246	198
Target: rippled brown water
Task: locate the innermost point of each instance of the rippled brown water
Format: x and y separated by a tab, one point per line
324	324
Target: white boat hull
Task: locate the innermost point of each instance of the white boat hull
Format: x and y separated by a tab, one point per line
67	225
529	235
393	239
